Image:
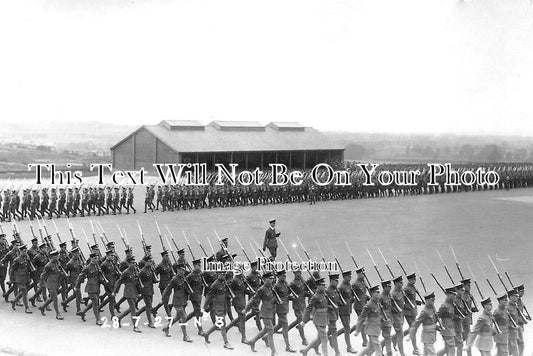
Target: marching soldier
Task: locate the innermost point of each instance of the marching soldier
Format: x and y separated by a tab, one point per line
370	319
39	261
520	289
92	287
467	302
148	279
446	314
215	303
111	273
318	308
8	259
386	323
116	202
410	305
51	278
147	200
270	241
298	304
502	319
345	309
4	250
335	301
265	296
22	268
85	203
195	281
398	305
165	273
458	318
130	202
239	289
512	308
428	319
282	308
254	279
359	287
483	330
130	279
178	287
73	268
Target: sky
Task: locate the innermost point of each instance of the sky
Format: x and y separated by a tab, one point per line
398	66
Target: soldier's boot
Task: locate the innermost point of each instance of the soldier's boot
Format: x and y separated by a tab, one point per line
288	347
8	292
189	316
104	300
252	341
65	302
301	331
348	342
242	327
186	337
399	342
15	301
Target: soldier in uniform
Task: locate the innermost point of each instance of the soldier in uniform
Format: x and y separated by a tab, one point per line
215	303
77	198
483	330
501	318
446	314
512	308
111	273
318	307
370	318
39	261
130	279
22	267
35	204
63	259
73	268
468	303
148	279
70	202
254	279
265	295
460	315
61	202
360	299
178	287
195	281
386	302
298	304
8	259
51	278
84	203
428	319
335	301
223	248
239	289
398	305
410	305
53	204
92	287
4	250
147	198
520	289
123	199
130	202
282	309
345	309
165	273
270	241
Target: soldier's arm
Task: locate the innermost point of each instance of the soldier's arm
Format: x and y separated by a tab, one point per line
81	278
419	320
362	318
117	284
254	299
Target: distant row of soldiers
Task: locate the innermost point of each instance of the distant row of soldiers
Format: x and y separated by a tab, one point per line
69	202
382	310
81	201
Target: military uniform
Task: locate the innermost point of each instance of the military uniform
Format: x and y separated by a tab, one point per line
178	287
21	268
216	304
92	287
370	319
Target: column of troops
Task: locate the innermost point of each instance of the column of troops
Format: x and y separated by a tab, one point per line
82	201
266	297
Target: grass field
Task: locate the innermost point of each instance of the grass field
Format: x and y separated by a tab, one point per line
409	229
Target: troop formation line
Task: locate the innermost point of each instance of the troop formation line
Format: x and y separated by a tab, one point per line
71	201
187	292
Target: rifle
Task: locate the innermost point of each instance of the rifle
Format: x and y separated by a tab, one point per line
57	232
505	289
98	225
416	290
192	255
512	285
444	291
475	309
420	277
249	261
143	242
385	317
365	280
401	290
342	272
160	236
199	244
51	243
310	274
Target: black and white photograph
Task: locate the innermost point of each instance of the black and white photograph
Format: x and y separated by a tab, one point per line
245	177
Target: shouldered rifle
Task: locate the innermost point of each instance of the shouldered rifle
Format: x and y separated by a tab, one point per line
420	277
122	237
258	248
143	242
249	261
416	289
199	244
444	291
57	232
99	225
392	275
303	248
475	308
50	242
160	236
310	274
31	229
136	274
445	267
527	316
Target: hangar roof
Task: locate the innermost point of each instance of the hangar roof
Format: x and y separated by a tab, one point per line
231	136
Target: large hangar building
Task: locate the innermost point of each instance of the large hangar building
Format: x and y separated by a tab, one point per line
247	143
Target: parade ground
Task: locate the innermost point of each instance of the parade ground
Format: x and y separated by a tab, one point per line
409	229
